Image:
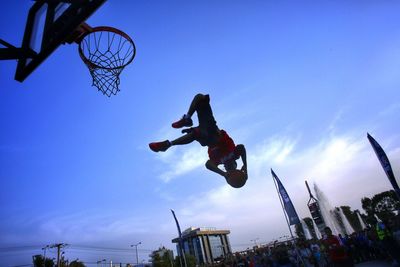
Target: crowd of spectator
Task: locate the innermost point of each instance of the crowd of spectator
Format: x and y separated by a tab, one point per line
376	243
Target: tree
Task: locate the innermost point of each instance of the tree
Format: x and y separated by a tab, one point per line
38	261
162	257
157	261
77	263
383	205
310	225
167	259
190	261
298	229
336	215
368	207
352	217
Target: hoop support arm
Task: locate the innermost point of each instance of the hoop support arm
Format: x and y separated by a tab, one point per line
78	33
12	52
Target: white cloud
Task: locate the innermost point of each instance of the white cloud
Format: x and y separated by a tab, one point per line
343	164
336	120
390	110
345	168
182	162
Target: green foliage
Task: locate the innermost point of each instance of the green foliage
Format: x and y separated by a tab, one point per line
383	205
310	225
157	261
190	261
76	263
161	258
38	261
352	217
299	231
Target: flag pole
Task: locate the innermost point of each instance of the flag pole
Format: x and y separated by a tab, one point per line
283	208
182	250
287	220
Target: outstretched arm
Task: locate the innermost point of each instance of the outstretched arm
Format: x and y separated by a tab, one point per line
242	152
213	167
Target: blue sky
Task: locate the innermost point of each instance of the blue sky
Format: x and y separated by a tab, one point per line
299	83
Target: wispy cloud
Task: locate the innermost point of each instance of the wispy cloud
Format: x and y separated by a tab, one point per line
390	110
182	162
340	164
338	116
338	161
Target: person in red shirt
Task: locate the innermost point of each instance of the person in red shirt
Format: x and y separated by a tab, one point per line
221	148
336	250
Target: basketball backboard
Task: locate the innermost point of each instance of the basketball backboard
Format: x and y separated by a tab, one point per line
49	24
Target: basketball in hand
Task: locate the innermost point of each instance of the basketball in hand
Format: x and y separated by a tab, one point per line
236	178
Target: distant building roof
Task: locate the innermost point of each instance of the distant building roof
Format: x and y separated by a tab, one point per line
196	231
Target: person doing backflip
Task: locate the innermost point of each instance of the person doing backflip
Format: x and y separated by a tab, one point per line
221	148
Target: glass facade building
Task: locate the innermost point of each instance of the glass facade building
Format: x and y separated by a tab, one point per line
207	245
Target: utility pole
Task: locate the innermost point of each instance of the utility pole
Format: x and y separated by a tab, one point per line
44	255
59	246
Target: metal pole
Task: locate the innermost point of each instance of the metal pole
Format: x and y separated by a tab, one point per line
181	248
137	258
58	256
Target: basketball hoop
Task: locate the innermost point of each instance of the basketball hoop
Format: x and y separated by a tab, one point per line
106	51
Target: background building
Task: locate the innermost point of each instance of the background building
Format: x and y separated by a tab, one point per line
207	245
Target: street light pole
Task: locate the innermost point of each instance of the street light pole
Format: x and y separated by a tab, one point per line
137	258
100	262
255	241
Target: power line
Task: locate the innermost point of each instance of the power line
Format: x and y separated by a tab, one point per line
83	247
91	248
39	247
20	248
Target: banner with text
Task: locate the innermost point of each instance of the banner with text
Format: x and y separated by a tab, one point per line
287	203
384	160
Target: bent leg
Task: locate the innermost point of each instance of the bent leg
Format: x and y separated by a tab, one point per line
164	145
184	139
194	106
197	105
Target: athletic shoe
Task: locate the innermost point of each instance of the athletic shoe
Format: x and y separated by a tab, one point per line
184	122
160	146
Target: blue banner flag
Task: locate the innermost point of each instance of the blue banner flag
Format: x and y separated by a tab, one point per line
182	251
287	203
383	159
